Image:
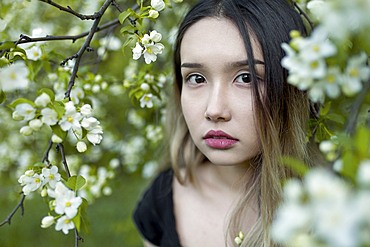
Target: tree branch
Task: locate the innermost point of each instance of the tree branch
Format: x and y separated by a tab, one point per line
46	156
302	13
71	11
60	148
19	205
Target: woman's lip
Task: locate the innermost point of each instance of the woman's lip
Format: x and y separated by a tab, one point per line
219	139
218	134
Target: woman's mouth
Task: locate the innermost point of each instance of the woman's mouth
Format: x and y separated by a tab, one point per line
219	139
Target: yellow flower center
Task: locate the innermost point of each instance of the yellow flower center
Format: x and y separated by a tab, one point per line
316	48
70	119
148	49
331	79
68	204
37	180
35	54
29	111
13	75
66	221
51	176
354	72
146	98
314	65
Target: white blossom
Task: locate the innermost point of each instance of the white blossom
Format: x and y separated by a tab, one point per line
149	77
136	52
34	53
67	203
49	116
94	135
158	5
76	94
151	51
26	111
89	123
153	13
86	110
71	118
35	124
26	131
155	36
17	116
30	183
47	221
356	71
14	76
51	176
42	100
65	224
95	88
146	101
56	139
145	87
81	147
363	173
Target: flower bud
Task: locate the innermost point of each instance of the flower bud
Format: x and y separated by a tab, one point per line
29	173
87	86
238	241
44	192
158	4
56	139
26	130
16	116
86	110
153	13
42	100
144	87
107	191
47	221
35	124
81	147
98	78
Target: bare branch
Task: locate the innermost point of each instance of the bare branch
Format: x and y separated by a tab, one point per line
71	11
19	205
117	6
46	156
60	148
303	13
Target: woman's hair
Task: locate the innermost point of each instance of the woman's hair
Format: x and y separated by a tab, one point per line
281	110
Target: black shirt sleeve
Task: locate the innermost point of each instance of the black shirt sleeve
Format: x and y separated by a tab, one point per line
154	217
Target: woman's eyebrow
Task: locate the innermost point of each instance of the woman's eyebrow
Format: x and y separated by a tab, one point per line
191	65
244	63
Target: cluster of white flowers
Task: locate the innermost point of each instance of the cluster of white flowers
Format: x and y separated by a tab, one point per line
324	211
66	204
149	47
150	83
32	180
71	120
306	62
239	239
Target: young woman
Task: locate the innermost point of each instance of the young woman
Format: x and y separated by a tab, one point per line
233	116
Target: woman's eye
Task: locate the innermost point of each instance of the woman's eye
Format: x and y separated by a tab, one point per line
244	78
195	79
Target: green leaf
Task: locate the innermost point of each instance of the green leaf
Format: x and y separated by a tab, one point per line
21	101
72	182
349	165
84	204
325	109
336	118
85	222
123	16
48	92
296	165
46	65
84	133
59	132
77	220
3	62
126	29
126	43
20	50
362	139
76	183
7	45
59	108
2	97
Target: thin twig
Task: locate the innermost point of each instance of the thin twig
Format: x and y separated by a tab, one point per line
60	148
302	13
84	46
19	205
71	11
117	6
46	156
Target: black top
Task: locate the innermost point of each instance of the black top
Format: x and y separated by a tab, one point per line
154	217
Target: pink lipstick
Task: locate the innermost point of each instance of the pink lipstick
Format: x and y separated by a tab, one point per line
219	139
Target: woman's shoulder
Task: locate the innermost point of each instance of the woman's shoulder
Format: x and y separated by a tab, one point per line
153	215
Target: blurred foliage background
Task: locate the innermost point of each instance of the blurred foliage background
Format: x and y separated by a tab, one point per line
120	167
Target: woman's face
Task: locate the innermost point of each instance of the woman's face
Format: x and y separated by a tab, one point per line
216	96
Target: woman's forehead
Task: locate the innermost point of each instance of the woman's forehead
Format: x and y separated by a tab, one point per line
217	38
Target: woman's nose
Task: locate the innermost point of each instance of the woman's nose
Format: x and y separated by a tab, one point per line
218	105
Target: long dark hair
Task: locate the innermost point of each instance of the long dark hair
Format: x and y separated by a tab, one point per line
281	110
